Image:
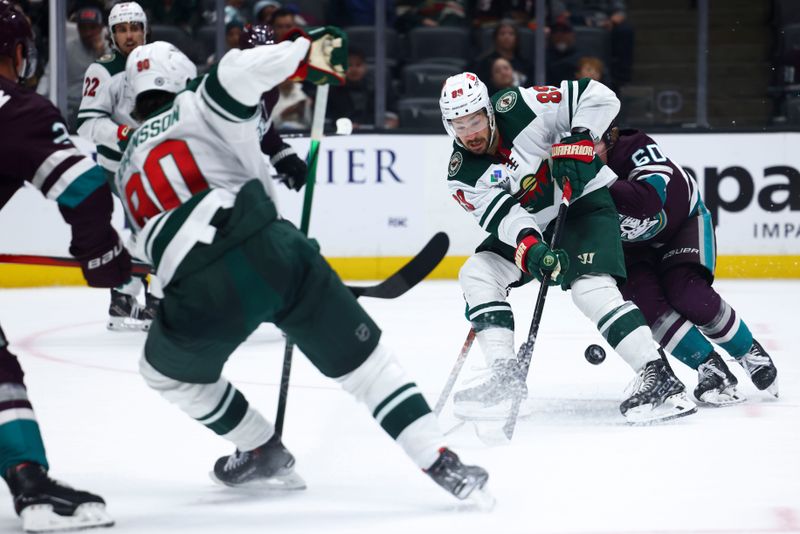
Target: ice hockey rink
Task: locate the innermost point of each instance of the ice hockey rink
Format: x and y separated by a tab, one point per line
574	466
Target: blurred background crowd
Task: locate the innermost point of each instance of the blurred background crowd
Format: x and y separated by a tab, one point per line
645	50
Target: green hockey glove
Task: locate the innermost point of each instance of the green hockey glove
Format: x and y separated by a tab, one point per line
536	258
326	62
575	160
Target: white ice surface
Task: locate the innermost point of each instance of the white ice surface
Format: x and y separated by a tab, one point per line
573	466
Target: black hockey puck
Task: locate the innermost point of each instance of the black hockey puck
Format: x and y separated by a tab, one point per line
594	354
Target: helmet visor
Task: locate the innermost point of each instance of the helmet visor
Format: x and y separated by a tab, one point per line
470	124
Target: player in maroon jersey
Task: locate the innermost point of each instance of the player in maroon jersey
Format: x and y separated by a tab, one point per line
35	148
670	255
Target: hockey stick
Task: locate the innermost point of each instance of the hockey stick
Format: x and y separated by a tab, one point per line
404	279
525	353
451	380
317	125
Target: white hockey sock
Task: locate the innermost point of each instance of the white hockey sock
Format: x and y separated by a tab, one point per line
496	344
219	406
619	321
397	405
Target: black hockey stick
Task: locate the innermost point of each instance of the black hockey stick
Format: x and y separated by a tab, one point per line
394	286
525	353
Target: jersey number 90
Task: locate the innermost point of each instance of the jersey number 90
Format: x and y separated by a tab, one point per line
141	205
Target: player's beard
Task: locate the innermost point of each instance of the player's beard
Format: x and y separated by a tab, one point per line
478	145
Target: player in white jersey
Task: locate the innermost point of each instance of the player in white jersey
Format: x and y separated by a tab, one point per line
512	155
193	179
105	119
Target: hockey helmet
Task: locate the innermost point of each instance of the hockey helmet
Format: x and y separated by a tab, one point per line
159	66
256	35
462	95
126	12
15	29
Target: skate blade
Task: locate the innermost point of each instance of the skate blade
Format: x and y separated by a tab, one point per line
499	412
491	433
42	518
678	405
481	499
288	482
772	389
720	399
127	324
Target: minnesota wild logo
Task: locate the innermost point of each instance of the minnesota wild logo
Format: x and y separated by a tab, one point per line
455	164
534	188
506	102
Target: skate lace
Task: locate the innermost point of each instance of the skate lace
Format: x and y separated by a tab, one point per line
643	381
707	370
755	359
236	459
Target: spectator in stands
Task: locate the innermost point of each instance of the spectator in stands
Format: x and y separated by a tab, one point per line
181	13
233	31
358	12
506	45
562	57
610	15
356	98
503	76
522	12
590	67
263	10
85	48
282	21
413	13
234	9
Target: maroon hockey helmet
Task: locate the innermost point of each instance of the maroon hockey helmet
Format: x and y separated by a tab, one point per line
256	35
15	29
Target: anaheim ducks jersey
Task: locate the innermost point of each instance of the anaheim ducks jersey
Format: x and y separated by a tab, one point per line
107	103
654	195
206	139
513	189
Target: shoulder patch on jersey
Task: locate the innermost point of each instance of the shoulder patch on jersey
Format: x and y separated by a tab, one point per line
114	62
455	164
506	101
105	58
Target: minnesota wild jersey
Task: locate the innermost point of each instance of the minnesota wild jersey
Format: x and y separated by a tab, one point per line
188	160
513	189
107	103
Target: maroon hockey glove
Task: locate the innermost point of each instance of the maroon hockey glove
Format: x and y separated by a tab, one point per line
110	268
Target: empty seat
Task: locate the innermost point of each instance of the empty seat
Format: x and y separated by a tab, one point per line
420	113
638	105
790	42
445	44
178	37
593	42
425	79
363	38
314	10
787	12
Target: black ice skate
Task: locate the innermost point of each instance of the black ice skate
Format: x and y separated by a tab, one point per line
658	395
46	505
761	369
716	385
460	480
492	398
148	313
270	466
125	313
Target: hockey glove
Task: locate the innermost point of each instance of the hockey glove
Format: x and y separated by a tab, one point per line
326	62
109	268
575	160
291	169
536	258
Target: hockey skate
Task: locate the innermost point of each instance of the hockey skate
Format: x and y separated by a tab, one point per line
148	313
716	385
46	505
125	313
463	481
761	369
658	395
492	398
270	466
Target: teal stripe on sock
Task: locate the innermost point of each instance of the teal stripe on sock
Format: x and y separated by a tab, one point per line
21	441
741	342
693	349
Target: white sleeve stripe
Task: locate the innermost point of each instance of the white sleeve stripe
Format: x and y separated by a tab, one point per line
48	165
68	176
651	168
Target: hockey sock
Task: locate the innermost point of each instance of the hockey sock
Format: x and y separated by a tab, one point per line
219	406
682	339
620	322
728	331
397	405
20	439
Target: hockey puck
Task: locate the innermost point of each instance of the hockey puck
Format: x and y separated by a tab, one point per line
594	354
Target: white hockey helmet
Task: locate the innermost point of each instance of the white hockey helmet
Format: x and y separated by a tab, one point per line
126	12
158	66
462	95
